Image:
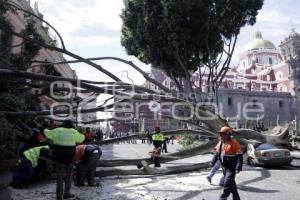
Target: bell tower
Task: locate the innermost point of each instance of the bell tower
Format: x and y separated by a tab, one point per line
290	51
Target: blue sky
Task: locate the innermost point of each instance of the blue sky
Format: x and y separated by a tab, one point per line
92	28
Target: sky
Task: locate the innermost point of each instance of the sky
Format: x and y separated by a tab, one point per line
92	28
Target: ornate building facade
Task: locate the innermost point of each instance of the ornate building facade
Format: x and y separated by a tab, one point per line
263	81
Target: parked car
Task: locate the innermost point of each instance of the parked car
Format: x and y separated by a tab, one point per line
267	154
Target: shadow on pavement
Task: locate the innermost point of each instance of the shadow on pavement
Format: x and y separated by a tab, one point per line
254	189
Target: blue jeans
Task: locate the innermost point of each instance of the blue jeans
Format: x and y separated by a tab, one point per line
214	170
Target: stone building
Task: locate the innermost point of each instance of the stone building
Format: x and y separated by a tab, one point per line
260	87
18	21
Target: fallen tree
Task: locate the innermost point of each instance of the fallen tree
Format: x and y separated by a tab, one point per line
207	120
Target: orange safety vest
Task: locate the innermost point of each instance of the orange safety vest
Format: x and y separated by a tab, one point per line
79	153
231	147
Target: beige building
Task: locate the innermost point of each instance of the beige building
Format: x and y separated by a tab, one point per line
17	21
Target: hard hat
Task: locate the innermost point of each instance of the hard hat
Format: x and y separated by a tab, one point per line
225	130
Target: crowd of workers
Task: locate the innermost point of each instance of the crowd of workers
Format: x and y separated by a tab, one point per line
63	147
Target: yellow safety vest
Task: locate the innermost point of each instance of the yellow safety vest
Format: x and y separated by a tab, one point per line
33	155
158	137
64	136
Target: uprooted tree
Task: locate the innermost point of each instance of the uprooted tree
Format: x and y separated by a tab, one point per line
176	37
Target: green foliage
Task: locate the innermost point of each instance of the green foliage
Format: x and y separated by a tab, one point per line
8	141
14	94
21	61
5	38
13	101
187	140
247	124
4	8
163	32
30	49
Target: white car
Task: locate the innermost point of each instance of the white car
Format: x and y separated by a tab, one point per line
267	154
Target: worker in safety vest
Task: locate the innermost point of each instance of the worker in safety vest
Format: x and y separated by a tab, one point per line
87	157
157	139
64	140
28	164
228	152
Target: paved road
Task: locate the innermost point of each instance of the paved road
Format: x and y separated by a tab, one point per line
254	183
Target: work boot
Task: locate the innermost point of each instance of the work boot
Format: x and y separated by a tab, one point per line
68	196
94	185
79	184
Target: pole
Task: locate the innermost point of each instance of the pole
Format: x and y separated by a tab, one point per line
77	103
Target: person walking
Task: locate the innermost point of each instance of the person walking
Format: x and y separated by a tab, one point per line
86	161
216	165
228	152
213	171
63	141
164	145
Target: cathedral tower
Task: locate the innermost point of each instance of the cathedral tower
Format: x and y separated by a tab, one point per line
290	51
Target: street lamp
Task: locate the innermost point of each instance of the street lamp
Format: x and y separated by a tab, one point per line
134	121
77	100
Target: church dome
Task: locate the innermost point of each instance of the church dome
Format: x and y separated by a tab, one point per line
294	33
259	43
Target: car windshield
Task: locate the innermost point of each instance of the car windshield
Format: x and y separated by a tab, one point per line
265	146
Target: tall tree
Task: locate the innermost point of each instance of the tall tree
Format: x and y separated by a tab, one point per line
183	36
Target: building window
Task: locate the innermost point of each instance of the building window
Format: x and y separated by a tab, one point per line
229	101
254	103
268	77
280	103
256	60
270	61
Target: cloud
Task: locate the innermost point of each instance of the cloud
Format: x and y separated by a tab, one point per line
92	41
93	28
72	15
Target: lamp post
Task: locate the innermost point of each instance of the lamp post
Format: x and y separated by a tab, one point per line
133	125
77	100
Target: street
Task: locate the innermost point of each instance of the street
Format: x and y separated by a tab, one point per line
253	183
276	183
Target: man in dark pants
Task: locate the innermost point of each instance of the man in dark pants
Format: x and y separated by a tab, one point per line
31	162
164	145
87	157
228	151
63	141
157	139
